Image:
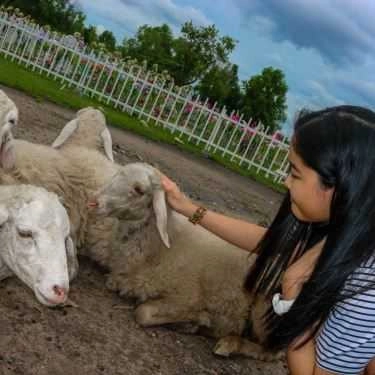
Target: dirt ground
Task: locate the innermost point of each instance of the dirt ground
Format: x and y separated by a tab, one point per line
100	336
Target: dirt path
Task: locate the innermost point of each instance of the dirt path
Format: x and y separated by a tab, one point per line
100	335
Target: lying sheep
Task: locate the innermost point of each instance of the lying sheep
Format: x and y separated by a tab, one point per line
197	280
71	178
35	242
87	130
8	116
72	175
8	111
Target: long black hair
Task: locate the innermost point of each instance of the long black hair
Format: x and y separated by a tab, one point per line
339	144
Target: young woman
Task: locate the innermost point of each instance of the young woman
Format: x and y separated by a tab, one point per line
316	262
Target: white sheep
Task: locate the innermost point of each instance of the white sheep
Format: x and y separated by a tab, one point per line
199	279
72	176
87	130
8	111
35	242
8	116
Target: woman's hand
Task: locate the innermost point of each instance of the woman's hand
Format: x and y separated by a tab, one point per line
176	199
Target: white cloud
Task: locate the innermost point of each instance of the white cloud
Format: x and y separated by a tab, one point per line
322	96
341	30
364	90
128	15
100	29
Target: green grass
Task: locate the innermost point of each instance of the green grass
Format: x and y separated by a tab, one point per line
43	88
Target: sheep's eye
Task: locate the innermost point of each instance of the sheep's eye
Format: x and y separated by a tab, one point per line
25	233
138	190
12	121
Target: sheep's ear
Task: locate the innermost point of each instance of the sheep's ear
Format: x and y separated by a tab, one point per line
160	209
4	215
7	152
83	110
61	199
67	131
107	141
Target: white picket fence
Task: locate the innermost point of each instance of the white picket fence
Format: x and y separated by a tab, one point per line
146	95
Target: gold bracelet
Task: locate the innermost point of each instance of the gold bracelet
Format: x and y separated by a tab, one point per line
197	216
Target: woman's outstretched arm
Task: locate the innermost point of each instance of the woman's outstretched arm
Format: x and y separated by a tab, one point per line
238	232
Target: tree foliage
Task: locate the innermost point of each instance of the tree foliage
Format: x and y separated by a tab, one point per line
198	55
153	44
108	39
265	97
61	15
221	85
90	35
187	57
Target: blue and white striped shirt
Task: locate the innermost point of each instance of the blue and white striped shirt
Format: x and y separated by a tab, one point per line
346	342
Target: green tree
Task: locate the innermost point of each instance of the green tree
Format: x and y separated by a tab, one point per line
61	15
108	39
198	50
90	35
221	85
187	57
153	44
265	98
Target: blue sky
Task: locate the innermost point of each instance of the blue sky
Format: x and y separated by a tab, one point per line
326	48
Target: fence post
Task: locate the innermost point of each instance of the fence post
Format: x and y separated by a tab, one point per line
126	103
119	72
164	104
198	118
183	129
161	89
215	130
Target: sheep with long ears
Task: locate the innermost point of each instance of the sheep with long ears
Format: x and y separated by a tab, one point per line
178	272
73	176
35	242
88	130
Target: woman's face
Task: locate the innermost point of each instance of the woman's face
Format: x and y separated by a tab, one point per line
310	200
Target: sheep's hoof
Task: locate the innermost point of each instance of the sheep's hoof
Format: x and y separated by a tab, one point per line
144	315
227	346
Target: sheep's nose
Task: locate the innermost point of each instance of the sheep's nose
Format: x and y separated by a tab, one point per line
60	294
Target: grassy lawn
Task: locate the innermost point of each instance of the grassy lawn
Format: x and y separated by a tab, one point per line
42	88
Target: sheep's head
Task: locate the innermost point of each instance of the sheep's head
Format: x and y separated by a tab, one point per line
35	241
8	119
8	112
95	121
132	194
90	114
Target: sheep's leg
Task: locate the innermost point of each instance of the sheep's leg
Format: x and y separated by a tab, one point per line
159	312
231	345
